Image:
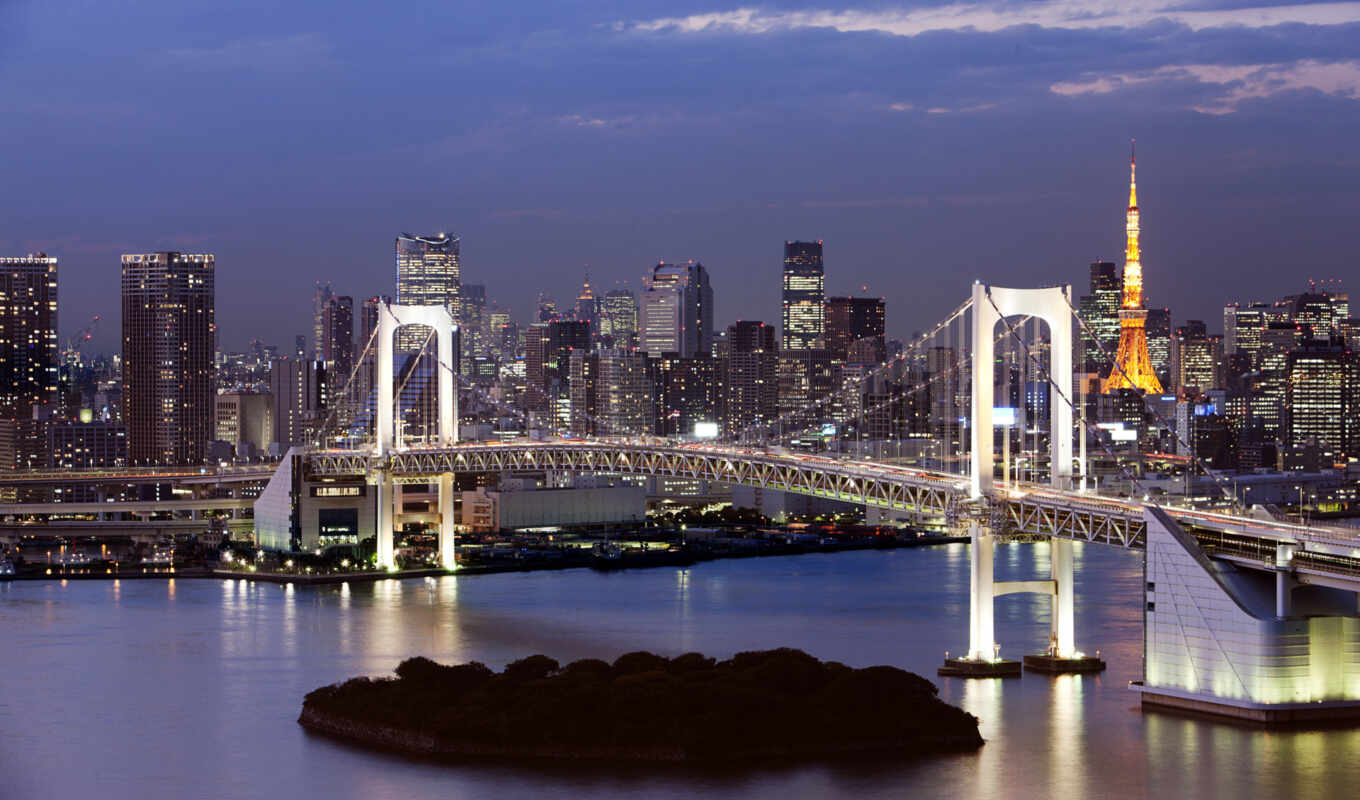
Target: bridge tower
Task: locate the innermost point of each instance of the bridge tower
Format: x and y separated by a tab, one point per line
391	317
991	305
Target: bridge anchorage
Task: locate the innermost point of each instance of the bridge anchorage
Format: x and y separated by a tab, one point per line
1246	615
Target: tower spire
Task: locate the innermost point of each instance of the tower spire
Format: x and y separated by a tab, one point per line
1133	368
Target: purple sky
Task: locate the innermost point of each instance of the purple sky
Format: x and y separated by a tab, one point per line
928	144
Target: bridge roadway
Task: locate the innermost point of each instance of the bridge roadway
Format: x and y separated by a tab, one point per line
1022	508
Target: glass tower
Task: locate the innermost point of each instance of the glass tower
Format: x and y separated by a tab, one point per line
804	312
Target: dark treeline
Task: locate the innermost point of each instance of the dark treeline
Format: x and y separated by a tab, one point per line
774	702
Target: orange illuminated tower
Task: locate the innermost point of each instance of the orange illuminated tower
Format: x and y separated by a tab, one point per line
1133	368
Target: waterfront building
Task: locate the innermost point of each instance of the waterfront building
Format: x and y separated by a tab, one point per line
676	310
749	367
169	338
851	320
1135	369
28	335
804	297
428	274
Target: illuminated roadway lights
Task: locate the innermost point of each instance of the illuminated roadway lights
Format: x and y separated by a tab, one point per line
391	317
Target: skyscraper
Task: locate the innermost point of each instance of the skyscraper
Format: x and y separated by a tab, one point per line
750	383
677	310
169	336
321	299
804	297
1159	343
28	334
852	319
1100	310
428	274
1134	370
337	338
618	322
1197	358
1323	402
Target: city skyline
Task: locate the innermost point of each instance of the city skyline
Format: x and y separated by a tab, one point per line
1243	118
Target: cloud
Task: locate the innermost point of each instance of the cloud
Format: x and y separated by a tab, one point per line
1235	84
991	17
297	53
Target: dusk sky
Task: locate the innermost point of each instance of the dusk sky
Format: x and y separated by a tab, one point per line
928	144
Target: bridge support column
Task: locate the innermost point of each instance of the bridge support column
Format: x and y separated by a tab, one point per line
1060	568
386	498
982	631
447	553
1062	654
982	660
1284	580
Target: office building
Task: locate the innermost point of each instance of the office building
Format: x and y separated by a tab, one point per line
686	393
1322	402
1100	311
298	391
851	320
804	297
428	274
617	325
1197	359
245	420
169	338
624	393
338	338
676	310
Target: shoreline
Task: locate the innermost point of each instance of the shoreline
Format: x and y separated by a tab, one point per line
370	576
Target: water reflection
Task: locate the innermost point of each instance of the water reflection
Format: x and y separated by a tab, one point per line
207	693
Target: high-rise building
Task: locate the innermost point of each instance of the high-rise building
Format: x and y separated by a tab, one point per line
1314	313
750	383
472	323
1100	311
804	297
428	274
854	319
1322	402
321	299
584	383
618	322
169	337
624	393
28	334
1243	329
1197	359
676	310
1134	367
686	393
338	338
298	390
1158	329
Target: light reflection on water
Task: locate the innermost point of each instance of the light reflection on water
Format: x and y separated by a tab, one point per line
160	689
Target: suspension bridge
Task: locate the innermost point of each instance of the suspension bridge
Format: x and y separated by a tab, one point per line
1246	614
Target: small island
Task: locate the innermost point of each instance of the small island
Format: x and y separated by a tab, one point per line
644	707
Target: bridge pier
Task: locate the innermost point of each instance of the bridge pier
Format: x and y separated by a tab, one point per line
983	660
1062	655
384	520
447	554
